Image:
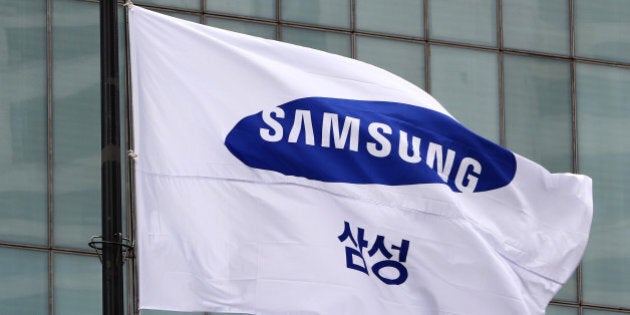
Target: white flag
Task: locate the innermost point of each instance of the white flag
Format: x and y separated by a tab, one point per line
277	179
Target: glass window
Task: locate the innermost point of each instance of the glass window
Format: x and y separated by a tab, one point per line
182	4
255	8
561	310
23	282
336	43
402	17
538	123
77	285
334	13
541	25
466	83
469	21
76	127
23	115
604	154
601	29
256	29
569	291
187	17
405	59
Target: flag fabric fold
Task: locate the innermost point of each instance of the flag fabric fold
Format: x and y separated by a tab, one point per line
277	179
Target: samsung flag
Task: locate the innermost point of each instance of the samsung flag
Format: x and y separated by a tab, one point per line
277	179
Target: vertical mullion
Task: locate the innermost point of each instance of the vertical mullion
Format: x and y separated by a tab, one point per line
425	16
353	29
573	89
572	28
576	166
502	136
49	122
427	48
278	23
49	154
499	5
51	279
501	101
203	11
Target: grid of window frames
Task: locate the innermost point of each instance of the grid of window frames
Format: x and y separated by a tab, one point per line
546	78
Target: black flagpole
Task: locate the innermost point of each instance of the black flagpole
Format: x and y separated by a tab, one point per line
110	158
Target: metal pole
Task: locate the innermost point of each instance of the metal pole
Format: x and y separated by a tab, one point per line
110	163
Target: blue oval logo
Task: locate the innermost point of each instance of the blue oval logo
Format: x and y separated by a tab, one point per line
370	142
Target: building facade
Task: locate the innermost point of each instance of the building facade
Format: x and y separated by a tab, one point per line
549	79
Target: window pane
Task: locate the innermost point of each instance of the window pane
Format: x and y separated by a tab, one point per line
77	141
335	43
538	123
466	82
183	4
321	12
255	8
604	152
255	29
470	21
601	29
561	310
23	282
403	17
569	291
402	58
187	17
541	25
23	115
77	287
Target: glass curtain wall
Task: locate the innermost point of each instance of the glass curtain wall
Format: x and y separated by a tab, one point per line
546	78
